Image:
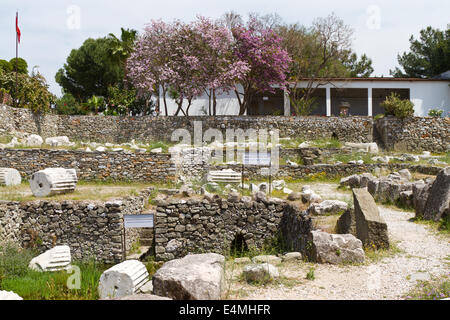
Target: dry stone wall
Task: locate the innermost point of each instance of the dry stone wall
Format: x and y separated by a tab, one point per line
415	134
92	229
124	129
92	165
195	225
412	134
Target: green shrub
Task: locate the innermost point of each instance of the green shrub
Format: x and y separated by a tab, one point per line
14	261
32	91
22	65
5	66
68	105
435	113
397	107
378	116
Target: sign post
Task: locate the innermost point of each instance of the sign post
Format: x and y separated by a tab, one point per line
135	222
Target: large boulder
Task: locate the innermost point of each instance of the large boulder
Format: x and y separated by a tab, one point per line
123	279
194	277
260	273
327	207
346	224
439	198
324	247
421	191
371	228
10	177
55	259
352	181
9	295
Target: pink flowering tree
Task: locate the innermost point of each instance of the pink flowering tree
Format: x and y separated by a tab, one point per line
262	50
147	65
220	68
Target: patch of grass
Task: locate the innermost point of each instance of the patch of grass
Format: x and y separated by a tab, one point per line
311	274
32	285
5	139
435	289
376	255
86	190
327	143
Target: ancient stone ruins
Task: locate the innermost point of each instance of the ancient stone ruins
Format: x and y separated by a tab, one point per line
193	208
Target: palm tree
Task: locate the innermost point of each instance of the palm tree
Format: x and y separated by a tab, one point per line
121	48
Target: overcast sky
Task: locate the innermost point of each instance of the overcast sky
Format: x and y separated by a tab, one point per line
50	28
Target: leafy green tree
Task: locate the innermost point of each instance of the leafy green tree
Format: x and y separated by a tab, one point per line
89	70
22	65
318	53
429	55
361	68
32	91
5	66
121	49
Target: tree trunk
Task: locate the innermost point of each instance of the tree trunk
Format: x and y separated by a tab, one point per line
214	102
164	100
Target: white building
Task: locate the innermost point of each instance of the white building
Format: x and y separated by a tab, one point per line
364	95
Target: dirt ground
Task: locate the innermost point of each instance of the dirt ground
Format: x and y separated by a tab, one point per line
420	254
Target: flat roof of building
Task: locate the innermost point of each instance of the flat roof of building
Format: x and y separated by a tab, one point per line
373	79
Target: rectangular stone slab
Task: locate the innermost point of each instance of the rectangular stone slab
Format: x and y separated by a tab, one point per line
371	228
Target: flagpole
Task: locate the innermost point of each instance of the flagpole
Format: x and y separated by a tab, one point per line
17	57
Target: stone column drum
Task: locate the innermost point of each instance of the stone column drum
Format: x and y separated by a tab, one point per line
10	177
124	279
53	181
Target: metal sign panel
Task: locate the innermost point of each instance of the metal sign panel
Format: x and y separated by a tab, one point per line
138	221
257	158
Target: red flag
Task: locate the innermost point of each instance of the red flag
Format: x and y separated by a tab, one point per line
17	27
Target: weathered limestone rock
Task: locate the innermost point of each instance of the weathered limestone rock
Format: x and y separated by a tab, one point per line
34	140
405	174
327	207
439	199
294	196
365	147
53	181
58	141
9	295
10	177
260	273
55	259
267	259
292	256
347	223
243	260
365	178
371	228
352	181
157	150
124	279
194	277
309	196
334	248
421	191
100	149
278	184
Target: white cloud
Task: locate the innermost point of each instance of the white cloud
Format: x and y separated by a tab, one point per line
47	41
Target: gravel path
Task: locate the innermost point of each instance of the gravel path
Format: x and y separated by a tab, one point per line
422	255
